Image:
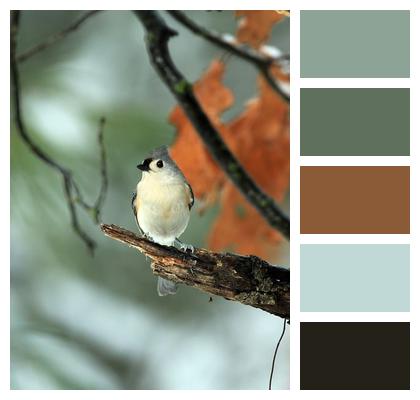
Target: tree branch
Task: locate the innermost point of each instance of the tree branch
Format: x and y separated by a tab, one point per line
55	37
72	191
246	279
97	207
157	37
260	61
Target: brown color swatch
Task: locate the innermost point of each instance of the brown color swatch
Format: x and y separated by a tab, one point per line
355	356
355	200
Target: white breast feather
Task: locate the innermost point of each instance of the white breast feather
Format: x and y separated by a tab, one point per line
162	208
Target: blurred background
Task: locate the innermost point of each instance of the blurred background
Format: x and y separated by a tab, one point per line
82	322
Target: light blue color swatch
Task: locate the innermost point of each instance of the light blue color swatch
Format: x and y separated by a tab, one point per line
371	277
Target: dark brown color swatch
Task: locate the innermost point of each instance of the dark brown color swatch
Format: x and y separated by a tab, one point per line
355	200
355	355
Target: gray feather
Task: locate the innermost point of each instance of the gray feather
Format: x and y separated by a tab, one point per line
162	153
165	287
133	206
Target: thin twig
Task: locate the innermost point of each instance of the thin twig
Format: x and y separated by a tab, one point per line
275	354
104	174
72	192
246	279
157	37
95	209
260	61
68	181
55	37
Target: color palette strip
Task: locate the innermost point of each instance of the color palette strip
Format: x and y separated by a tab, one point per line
355	44
358	200
355	122
355	355
354	277
349	200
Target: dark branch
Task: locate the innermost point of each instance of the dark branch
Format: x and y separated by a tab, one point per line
104	174
96	208
246	279
157	37
260	61
72	192
55	37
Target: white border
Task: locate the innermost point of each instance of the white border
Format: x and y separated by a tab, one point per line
5	204
296	82
294	198
354	316
354	161
411	161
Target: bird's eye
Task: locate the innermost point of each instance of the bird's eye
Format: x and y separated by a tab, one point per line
159	164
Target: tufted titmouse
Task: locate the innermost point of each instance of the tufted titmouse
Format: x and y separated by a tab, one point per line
162	204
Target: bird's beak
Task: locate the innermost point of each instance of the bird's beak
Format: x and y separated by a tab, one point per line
145	165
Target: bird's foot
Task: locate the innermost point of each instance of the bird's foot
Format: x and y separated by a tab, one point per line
187	247
184	247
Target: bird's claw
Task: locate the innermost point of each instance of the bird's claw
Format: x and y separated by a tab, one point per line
187	247
184	247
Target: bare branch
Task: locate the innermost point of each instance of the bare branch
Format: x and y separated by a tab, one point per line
104	174
260	61
54	38
275	354
157	37
68	181
72	192
246	279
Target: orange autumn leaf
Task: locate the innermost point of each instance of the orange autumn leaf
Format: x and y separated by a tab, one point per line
255	26
261	134
188	150
239	228
260	139
279	74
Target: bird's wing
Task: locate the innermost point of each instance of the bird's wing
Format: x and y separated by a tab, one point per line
133	206
190	195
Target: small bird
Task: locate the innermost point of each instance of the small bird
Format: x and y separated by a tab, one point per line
162	204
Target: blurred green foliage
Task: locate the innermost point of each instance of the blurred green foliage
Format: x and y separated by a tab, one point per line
79	322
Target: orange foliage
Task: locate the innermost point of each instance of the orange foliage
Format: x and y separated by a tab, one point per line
255	26
201	171
259	138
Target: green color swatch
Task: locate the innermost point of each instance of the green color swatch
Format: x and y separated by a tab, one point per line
355	44
355	122
350	278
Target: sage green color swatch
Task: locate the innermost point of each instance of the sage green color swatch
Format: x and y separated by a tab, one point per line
352	278
355	44
355	122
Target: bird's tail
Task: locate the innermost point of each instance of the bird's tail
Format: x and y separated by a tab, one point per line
165	287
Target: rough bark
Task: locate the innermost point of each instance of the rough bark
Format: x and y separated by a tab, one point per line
246	279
